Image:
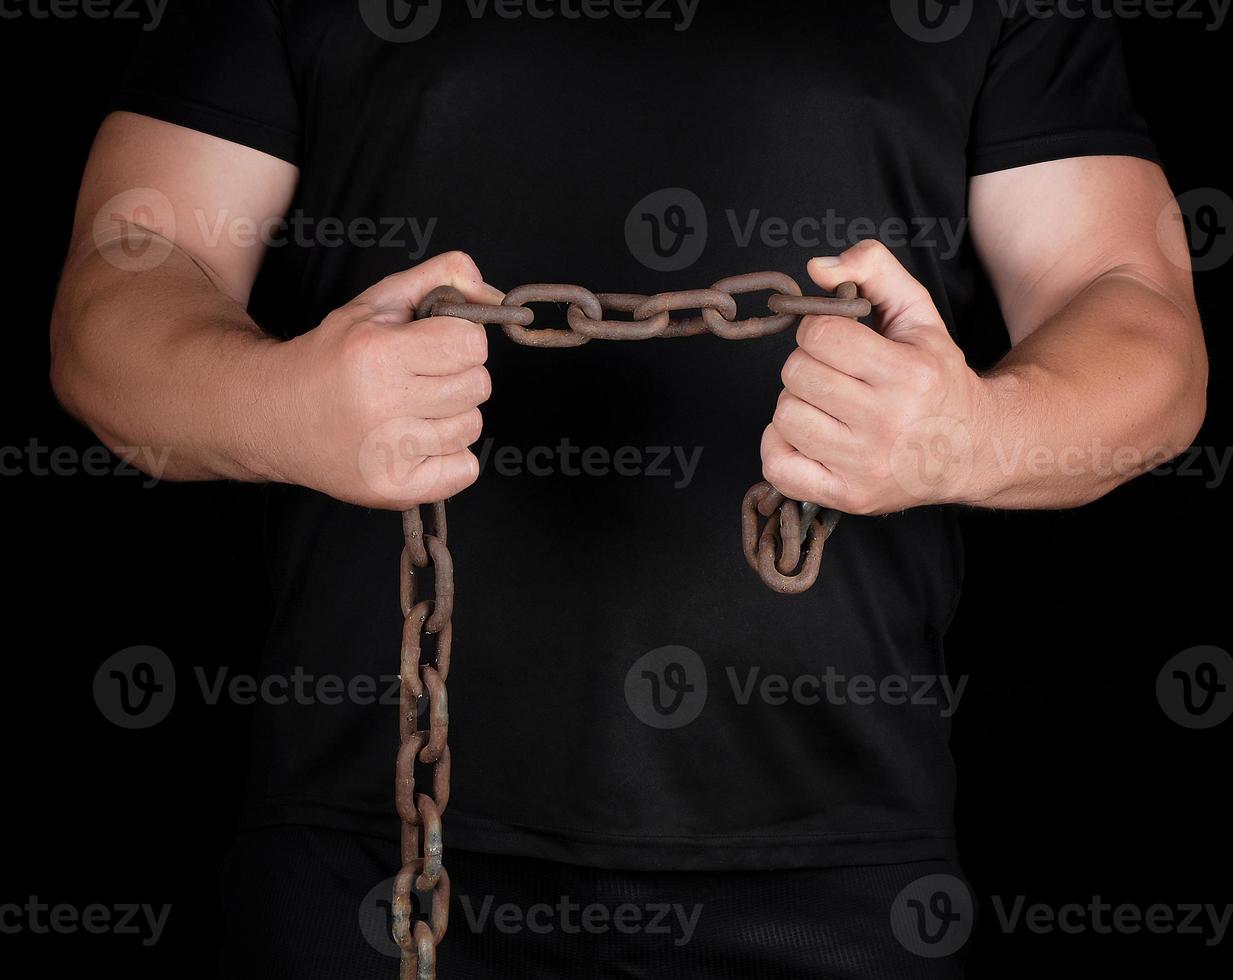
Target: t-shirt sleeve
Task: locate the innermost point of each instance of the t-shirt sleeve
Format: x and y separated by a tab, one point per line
220	67
1055	87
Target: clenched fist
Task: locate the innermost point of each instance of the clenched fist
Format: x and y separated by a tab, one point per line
874	421
387	405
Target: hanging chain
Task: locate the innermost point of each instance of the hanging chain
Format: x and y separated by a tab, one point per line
424	741
781	538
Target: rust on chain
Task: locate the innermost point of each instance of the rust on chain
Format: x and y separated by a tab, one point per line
423	736
782	541
773	550
686	299
845	302
550	293
653	326
754	282
448	301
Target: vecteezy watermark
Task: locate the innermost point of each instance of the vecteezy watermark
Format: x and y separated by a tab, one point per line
674	922
149	12
1095	915
675	463
135	229
1195	687
36	917
933	916
136	688
938	21
934	454
838	689
1206	218
36	459
403	21
668	230
410	234
932	21
668	688
1209	463
836	232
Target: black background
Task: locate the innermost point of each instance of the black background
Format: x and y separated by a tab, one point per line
1073	782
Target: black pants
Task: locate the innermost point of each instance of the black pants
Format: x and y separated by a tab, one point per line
313	904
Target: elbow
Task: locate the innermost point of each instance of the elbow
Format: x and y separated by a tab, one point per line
65	372
1188	407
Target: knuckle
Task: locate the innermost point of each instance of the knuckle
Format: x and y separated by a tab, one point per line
363	348
482	385
812	332
459	262
784	418
465	341
471	426
793	368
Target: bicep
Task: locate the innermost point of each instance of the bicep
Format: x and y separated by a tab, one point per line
214	199
1045	232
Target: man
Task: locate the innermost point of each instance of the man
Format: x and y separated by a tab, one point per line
780	815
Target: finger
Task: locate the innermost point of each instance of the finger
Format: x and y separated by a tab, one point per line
812	432
439	346
396	460
449	395
444	476
406	442
429	479
848	346
395	298
900	303
796	475
837	394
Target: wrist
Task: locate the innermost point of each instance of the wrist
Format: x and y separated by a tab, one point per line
266	412
997	410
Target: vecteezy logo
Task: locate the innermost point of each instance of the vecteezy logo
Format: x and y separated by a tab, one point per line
401	21
1195	688
932	917
666	231
932	21
1206	214
141	223
666	688
136	687
376	915
935	452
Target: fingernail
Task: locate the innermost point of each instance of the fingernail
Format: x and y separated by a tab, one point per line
827	261
491	292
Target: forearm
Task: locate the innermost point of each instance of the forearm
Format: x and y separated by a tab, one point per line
1110	387
163	360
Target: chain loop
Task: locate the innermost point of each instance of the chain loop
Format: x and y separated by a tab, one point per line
423	847
774	532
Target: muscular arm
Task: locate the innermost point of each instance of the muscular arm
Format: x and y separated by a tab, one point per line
1106	378
152	346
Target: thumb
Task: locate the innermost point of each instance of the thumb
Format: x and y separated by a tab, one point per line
396	296
903	308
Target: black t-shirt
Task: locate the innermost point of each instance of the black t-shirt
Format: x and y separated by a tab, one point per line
604	527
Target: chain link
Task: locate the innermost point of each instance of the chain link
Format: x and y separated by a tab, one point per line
422	686
774	532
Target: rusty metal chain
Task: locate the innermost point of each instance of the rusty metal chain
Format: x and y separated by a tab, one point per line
781	538
422	685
